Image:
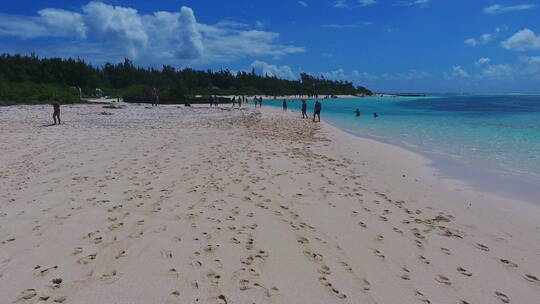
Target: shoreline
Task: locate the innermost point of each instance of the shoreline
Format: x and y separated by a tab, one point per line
215	205
497	182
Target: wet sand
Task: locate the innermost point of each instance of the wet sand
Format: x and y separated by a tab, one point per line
199	205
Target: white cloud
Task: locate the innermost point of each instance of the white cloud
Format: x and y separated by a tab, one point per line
500	9
49	23
483	61
420	3
496	71
340	4
284	72
531	66
456	72
367	2
524	40
471	42
303	3
159	38
483	39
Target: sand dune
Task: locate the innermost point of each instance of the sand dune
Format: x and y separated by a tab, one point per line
180	205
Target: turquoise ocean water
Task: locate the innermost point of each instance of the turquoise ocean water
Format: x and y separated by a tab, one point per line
491	140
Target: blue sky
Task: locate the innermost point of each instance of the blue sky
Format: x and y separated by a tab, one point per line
386	45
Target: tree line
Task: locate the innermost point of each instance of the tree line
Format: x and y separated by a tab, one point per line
26	78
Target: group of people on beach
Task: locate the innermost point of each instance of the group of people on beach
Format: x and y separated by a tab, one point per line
317	108
214	102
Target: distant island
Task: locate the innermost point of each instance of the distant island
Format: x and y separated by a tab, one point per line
29	78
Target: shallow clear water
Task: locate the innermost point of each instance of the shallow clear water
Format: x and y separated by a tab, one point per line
496	134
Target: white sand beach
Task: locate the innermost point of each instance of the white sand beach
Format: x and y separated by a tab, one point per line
197	205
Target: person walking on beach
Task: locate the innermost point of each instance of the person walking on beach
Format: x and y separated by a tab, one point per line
155	94
56	110
285	105
260	102
317	111
304	109
240	101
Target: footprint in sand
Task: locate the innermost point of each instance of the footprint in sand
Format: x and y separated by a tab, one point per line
324	270
45	271
482	247
380	238
174	273
531	278
363	225
324	281
501	296
244	285
302	240
422	297
28	294
379	254
443	280
424	260
446	251
121	254
111	277
464	271
87	259
405	276
508	263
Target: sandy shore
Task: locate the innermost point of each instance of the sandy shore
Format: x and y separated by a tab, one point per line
199	205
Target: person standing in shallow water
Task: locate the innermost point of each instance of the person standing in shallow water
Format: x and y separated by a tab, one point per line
304	109
56	110
317	111
284	105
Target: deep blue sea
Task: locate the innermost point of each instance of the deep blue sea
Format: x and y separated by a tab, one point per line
491	139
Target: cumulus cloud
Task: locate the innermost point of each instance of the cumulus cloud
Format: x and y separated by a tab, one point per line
483	61
456	72
500	9
524	40
265	69
159	38
483	39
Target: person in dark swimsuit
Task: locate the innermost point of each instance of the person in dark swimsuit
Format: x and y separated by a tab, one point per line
357	112
317	111
56	107
284	105
304	109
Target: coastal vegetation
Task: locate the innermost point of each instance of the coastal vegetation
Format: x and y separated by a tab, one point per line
33	79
